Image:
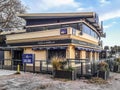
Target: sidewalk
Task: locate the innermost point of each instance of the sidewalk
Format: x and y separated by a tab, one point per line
33	81
6	72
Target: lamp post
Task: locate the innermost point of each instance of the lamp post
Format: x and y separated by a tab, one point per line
116	51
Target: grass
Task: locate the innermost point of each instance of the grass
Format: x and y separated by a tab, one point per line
61	79
96	80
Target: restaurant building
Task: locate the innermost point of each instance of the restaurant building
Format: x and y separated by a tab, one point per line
66	35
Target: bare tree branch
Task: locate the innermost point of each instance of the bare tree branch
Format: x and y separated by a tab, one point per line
8	11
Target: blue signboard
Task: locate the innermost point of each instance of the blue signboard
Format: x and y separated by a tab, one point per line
63	31
28	58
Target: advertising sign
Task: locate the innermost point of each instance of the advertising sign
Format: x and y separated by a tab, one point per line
63	31
28	58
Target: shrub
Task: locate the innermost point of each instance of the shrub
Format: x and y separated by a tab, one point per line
58	63
117	61
55	63
103	66
70	68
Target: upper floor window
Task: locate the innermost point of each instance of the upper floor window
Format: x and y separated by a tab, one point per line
89	31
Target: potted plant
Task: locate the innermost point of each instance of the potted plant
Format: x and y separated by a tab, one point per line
60	69
116	65
103	70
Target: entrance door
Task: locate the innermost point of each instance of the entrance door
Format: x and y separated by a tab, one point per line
17	57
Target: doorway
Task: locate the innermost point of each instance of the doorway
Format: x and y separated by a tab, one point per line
17	57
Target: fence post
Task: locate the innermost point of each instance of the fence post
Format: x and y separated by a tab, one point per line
2	63
40	66
68	62
34	67
11	64
24	67
47	65
81	68
91	67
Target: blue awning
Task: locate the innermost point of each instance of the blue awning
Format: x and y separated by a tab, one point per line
83	48
79	48
97	50
88	49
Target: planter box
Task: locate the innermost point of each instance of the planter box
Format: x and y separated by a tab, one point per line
116	68
103	74
64	74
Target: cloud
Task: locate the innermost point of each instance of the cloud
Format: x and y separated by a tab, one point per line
110	15
104	2
105	12
81	9
109	25
49	5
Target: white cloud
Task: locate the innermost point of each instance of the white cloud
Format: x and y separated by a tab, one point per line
109	25
85	9
106	12
110	15
104	2
44	5
80	9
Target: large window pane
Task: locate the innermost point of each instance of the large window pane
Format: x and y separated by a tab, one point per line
89	31
56	53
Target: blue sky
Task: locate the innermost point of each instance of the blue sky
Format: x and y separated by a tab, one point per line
108	11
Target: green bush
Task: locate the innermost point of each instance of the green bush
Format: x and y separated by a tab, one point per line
117	61
70	68
63	64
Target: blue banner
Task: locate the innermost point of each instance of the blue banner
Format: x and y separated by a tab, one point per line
28	58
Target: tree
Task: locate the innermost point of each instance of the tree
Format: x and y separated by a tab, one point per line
106	47
8	14
116	48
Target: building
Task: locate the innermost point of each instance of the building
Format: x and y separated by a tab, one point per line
67	35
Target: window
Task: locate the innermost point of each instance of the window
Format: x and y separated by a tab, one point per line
56	53
77	56
65	25
74	25
73	31
54	27
89	31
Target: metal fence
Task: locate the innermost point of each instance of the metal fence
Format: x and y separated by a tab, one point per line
10	64
83	67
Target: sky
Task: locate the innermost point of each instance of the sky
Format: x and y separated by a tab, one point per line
108	11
